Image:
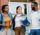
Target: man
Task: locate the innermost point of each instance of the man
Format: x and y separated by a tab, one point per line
34	20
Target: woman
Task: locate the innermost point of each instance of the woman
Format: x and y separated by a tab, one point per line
6	21
18	22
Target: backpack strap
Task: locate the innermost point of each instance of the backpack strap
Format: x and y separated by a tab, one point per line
13	20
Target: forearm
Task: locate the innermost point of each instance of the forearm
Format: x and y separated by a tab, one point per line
2	25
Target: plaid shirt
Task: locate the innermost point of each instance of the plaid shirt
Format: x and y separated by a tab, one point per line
3	19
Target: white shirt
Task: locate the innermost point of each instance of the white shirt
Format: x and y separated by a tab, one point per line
18	20
34	20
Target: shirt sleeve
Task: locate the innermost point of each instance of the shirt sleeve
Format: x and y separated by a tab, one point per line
11	20
29	18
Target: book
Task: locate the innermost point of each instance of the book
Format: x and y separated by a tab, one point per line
25	22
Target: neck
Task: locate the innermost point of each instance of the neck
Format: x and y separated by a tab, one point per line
36	9
5	12
19	13
0	12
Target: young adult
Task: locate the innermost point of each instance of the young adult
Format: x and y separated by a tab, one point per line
6	21
19	29
34	20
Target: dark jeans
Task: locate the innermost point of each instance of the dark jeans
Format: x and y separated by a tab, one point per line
35	32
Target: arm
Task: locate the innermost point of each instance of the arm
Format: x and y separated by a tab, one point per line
23	17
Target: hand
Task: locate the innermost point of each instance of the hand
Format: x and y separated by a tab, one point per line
3	25
10	24
0	24
27	24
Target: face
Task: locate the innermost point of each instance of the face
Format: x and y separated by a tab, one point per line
19	10
0	11
36	7
6	9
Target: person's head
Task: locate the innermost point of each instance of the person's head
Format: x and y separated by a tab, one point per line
5	8
19	10
34	6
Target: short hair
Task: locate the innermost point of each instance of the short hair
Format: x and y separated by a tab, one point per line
33	6
3	7
35	3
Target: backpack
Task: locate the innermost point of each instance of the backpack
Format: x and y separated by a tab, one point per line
1	22
13	21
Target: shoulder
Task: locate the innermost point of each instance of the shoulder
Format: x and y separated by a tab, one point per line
9	13
2	14
23	15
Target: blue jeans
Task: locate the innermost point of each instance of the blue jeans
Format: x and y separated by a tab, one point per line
35	32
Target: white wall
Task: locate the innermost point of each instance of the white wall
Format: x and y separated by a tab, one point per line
28	9
13	5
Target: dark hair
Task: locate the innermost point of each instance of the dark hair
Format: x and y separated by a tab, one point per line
17	8
3	7
33	8
35	3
